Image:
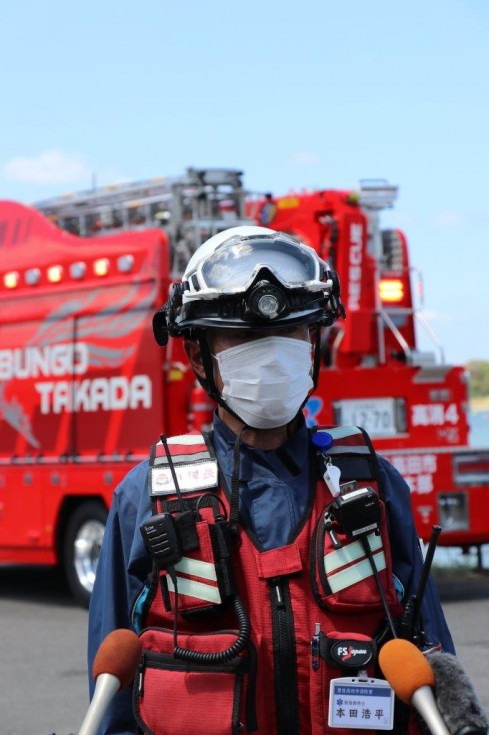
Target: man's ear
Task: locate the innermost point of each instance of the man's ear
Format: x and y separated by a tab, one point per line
194	354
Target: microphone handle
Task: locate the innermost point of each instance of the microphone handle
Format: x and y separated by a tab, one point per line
424	701
105	688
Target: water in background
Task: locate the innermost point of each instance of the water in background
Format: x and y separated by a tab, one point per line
479	437
479	429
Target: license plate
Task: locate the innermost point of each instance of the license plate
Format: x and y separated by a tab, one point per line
376	415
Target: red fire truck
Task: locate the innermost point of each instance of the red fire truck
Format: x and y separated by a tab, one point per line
84	391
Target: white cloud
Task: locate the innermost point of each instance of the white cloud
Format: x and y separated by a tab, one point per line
49	167
304	158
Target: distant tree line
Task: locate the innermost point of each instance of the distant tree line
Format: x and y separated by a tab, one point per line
479	377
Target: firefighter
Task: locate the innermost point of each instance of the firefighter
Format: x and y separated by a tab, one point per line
301	541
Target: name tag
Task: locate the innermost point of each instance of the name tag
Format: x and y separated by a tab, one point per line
190	477
361	703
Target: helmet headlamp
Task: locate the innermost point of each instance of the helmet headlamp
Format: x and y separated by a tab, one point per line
266	301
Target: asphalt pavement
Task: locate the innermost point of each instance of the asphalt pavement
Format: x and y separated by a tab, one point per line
43	666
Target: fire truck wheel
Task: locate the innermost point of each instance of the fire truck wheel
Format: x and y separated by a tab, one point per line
83	538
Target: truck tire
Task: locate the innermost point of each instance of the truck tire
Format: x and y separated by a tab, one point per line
81	548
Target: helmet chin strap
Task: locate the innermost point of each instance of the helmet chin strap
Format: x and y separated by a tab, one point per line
209	384
317	357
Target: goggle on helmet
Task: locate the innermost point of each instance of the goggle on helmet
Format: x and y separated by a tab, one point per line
251	278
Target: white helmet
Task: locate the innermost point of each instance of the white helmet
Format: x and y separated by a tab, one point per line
250	277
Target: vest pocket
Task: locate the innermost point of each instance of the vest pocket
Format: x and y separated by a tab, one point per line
172	696
342	576
197	576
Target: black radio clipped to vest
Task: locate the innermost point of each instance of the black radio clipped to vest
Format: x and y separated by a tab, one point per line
162	540
166	536
357	512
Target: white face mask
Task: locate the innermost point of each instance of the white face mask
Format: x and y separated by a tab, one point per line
266	380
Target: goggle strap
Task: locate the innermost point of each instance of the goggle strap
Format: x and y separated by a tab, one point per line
236	308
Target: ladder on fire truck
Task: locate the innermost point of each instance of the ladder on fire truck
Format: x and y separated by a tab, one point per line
385	245
189	208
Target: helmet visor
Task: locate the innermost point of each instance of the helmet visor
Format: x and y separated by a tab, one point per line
233	266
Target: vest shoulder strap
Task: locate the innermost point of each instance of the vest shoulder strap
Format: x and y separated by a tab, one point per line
347	440
352	451
186	460
191	460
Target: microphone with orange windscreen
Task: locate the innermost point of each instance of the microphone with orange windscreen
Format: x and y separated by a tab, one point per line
114	668
412	679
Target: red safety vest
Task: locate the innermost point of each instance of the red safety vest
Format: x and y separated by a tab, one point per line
314	606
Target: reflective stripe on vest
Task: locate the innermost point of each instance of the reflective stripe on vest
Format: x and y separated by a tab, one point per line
337	559
191	587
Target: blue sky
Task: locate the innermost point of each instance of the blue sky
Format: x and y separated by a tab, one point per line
304	94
